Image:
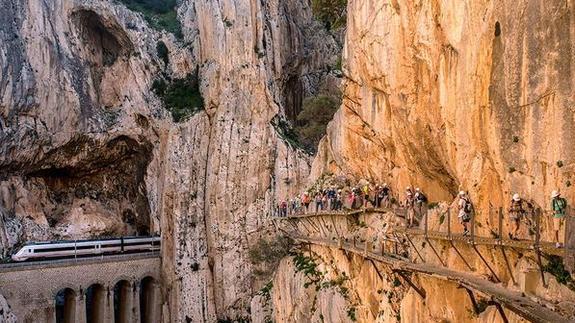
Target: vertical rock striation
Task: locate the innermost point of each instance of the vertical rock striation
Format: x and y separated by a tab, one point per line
87	148
450	95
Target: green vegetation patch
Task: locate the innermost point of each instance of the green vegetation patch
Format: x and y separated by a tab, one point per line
160	14
267	254
182	97
312	121
332	13
556	268
308	266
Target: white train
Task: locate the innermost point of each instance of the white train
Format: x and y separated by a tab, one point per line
65	249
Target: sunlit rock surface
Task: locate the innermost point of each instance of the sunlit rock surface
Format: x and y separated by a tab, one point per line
451	95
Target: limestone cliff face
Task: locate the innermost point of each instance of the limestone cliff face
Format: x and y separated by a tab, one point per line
88	150
450	95
251	54
76	117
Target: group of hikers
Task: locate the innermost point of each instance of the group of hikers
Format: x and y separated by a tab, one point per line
334	199
337	199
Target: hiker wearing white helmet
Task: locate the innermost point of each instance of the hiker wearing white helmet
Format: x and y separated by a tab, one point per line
559	207
517	212
465	209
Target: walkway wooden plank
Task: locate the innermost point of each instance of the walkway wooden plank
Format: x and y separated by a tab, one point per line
546	247
514	301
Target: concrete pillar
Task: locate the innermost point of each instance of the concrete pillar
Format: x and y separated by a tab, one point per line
155	303
136	302
109	305
80	307
50	311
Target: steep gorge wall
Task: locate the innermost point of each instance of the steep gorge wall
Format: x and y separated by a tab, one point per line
88	149
450	95
236	164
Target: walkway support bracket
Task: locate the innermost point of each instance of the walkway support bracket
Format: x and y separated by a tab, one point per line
486	264
500	310
406	278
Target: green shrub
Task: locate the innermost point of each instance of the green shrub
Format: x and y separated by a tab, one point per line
308	266
182	97
312	121
286	132
332	13
160	14
556	268
351	314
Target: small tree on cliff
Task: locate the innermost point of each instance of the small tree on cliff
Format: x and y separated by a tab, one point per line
312	121
332	13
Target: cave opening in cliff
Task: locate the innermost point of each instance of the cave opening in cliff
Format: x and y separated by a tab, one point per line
149	300
104	42
102	184
497	29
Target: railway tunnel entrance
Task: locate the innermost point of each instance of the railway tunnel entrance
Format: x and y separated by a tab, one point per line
66	306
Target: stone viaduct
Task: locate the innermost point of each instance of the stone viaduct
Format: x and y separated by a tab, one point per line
117	288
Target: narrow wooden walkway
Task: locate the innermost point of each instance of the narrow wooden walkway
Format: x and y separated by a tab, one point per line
544	246
514	301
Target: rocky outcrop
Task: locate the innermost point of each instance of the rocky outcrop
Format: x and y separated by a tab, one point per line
448	96
237	166
6	314
87	148
76	117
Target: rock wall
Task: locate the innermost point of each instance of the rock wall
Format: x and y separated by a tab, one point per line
236	164
450	95
87	148
78	121
370	292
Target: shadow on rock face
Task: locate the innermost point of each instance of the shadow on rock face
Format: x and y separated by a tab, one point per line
84	189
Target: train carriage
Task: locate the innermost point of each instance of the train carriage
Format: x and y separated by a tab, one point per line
79	248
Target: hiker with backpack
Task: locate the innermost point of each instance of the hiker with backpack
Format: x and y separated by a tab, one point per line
465	209
338	200
410	207
420	201
559	207
517	212
366	189
283	209
306	200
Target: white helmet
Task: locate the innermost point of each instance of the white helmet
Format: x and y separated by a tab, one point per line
417	189
516	197
555	194
461	193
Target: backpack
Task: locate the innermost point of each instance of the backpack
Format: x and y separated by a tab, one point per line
468	207
559	205
421	198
